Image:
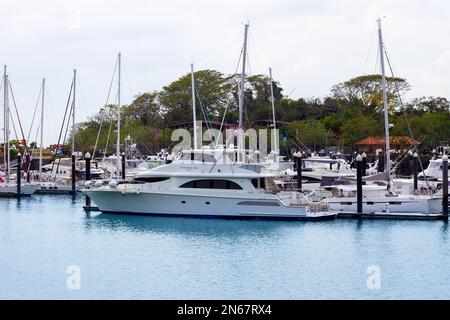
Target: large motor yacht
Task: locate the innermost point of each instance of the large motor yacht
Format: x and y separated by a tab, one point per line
205	183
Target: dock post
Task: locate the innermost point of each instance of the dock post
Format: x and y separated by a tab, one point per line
87	158
359	182
380	166
415	160
28	166
445	186
73	174
298	164
364	164
19	174
123	165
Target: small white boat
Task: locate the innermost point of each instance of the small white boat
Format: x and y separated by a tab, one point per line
10	189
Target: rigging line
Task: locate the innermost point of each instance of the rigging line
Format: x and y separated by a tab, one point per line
250	36
34	114
14	126
110	128
80	93
62	127
18	117
221	124
107	141
106	103
404	113
127	79
370	50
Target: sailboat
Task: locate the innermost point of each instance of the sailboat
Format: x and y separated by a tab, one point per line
379	199
9	188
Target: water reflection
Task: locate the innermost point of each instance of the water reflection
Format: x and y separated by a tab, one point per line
204	227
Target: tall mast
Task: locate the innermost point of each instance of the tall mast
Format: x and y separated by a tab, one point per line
41	148
241	90
194	119
385	102
6	155
275	143
118	158
73	109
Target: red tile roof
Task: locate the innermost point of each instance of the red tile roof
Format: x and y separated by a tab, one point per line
379	141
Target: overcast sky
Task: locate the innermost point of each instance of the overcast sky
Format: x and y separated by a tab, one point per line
310	44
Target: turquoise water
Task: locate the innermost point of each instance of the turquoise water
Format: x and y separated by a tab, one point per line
134	257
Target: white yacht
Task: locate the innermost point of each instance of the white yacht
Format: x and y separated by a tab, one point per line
433	171
62	168
377	199
203	183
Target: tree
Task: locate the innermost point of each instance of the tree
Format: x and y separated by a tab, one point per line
213	93
359	128
368	90
429	104
144	109
311	133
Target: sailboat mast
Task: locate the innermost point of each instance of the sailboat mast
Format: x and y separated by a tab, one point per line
41	148
6	155
73	109
118	115
275	142
385	101
194	119
241	90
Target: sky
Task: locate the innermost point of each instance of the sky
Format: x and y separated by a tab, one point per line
310	45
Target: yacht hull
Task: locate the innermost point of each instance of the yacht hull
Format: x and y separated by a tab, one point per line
166	204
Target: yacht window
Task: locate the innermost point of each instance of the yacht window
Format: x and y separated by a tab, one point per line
203	184
220	184
190	184
212	184
151	179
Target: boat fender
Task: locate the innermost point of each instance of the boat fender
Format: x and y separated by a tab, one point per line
88	184
98	184
112	184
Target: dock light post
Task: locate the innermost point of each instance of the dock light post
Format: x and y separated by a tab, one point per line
359	191
87	158
364	164
298	163
19	174
415	160
445	186
123	165
73	173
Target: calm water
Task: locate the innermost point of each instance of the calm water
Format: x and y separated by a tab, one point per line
176	258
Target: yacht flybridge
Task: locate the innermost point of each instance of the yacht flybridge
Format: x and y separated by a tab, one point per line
205	183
